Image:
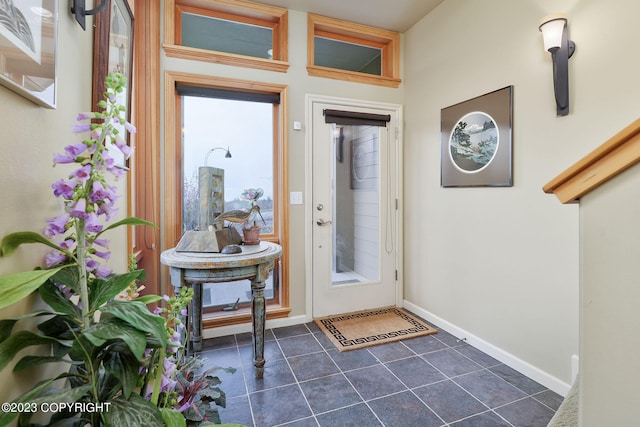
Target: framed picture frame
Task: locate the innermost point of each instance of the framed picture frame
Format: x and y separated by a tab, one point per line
113	52
476	141
28	39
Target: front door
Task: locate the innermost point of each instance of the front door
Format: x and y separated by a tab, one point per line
355	216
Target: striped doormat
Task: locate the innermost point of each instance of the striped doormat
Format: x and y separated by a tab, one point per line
361	329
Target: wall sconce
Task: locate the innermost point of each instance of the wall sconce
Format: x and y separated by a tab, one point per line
78	8
556	41
227	155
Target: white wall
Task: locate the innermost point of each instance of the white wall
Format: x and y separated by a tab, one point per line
609	295
501	264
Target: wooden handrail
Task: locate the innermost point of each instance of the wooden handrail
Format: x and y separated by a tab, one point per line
614	156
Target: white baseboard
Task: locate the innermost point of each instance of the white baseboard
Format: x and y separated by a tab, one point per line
246	327
508	359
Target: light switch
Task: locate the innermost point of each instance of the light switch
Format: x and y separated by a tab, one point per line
297	125
295	197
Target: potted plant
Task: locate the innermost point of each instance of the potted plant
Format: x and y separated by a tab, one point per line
122	360
250	228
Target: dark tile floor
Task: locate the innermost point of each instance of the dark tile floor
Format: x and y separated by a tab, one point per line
434	380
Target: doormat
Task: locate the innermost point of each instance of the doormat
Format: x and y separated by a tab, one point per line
367	328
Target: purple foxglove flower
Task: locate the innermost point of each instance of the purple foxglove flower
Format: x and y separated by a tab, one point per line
75	149
183	311
57	225
64	188
105	255
129	127
106	210
95	133
81	127
123	147
166	298
80	209
101	242
85	116
59	159
157	310
93	225
67	244
91	264
102	272
54	258
83	173
98	192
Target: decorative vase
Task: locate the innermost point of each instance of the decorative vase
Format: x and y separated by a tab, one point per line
251	236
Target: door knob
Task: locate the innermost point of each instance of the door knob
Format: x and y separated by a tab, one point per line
322	222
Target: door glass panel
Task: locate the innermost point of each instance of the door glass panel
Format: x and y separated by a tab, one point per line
356	205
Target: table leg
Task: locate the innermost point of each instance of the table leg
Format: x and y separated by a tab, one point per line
195	318
258	319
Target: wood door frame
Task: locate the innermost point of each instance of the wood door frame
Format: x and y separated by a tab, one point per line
310	100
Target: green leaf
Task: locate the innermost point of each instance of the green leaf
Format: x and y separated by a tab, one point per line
18	341
28	362
173	418
102	290
7	417
68	277
12	241
148	299
138	315
125	368
53	296
132	220
6	325
132	412
114	329
56	396
14	287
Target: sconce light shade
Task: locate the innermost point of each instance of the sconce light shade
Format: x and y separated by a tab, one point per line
556	41
551	27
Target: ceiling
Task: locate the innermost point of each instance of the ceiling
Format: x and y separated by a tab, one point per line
395	15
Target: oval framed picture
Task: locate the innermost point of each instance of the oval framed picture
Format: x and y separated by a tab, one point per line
476	141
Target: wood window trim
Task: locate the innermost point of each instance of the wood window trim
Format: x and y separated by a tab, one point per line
388	41
236	10
173	179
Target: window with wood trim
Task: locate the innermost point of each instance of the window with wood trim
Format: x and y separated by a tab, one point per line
347	51
231	32
246	121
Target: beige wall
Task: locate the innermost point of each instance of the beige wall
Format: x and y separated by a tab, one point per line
501	264
609	295
30	135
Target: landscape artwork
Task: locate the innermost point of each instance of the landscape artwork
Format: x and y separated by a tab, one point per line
476	141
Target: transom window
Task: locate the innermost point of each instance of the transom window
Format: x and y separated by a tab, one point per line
347	51
240	33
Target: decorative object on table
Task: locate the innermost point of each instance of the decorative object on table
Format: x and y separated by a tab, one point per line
208	241
250	229
476	146
28	39
119	356
211	191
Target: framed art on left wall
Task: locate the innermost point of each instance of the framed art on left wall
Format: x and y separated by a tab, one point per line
28	33
113	52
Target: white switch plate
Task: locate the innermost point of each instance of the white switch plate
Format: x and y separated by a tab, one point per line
295	197
297	126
